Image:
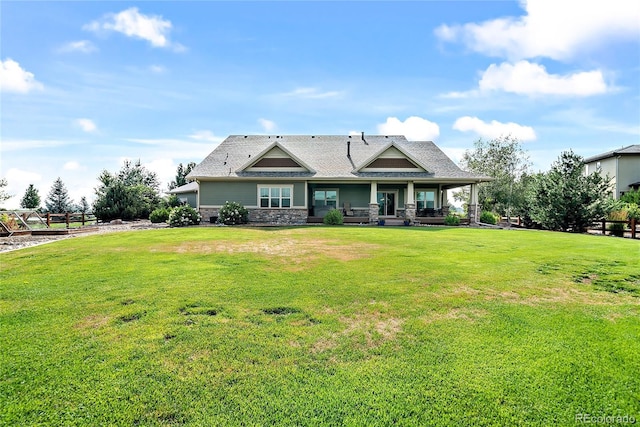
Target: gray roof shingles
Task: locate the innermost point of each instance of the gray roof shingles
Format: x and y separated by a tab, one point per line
628	150
326	155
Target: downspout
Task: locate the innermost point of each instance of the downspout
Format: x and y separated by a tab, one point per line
617	190
198	196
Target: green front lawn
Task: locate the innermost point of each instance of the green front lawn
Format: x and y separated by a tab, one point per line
320	326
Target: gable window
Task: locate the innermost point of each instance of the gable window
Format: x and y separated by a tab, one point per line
274	197
425	199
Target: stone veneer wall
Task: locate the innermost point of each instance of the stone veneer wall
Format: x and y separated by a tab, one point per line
265	216
278	216
207	213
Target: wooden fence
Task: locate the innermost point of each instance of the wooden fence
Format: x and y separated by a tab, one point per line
629	228
68	218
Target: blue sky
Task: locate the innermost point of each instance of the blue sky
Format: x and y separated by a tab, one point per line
85	85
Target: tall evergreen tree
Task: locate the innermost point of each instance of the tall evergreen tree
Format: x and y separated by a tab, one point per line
567	200
31	198
181	175
130	193
84	206
58	200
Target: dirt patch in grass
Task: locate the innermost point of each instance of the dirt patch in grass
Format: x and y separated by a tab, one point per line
365	330
93	321
468	314
294	252
568	294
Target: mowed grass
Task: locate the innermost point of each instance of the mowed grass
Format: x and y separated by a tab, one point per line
320	326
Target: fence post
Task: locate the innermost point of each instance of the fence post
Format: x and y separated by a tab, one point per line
66	217
83	219
48	219
604	227
633	228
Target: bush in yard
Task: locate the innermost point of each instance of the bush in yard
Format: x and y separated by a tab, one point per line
617	229
631	196
160	215
452	219
9	222
183	216
488	218
333	217
232	213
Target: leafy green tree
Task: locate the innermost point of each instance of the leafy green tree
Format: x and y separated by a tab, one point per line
31	198
504	160
181	175
132	192
58	200
3	194
567	200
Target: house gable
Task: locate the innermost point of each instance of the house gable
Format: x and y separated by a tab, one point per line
391	158
275	158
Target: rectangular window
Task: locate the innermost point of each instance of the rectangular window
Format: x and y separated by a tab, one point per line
275	197
326	198
425	199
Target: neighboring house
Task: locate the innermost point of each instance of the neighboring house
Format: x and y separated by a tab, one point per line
295	179
622	166
187	194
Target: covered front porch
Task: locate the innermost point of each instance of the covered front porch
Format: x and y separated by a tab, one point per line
416	202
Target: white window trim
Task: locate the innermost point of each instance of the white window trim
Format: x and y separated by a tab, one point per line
424	190
280	186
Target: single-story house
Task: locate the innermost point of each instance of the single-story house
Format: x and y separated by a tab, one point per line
296	179
187	194
622	166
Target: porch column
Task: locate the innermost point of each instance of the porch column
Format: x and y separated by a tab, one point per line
410	205
373	203
473	204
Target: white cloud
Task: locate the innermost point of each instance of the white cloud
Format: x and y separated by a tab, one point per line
14	79
165	169
205	135
71	166
132	23
267	125
17	182
494	129
312	93
83	46
413	128
31	144
198	146
526	78
86	125
554	29
158	69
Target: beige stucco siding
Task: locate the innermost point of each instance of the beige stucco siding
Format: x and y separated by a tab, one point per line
628	172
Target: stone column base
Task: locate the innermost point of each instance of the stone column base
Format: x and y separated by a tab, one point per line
373	213
410	212
473	214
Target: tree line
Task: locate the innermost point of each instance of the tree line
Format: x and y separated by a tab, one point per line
132	192
563	198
